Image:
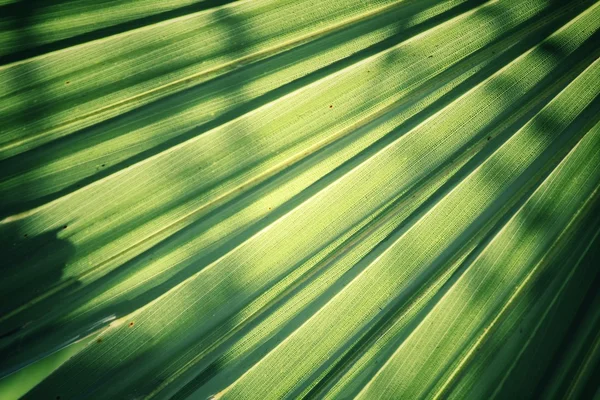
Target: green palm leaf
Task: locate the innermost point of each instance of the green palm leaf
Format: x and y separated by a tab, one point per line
299	199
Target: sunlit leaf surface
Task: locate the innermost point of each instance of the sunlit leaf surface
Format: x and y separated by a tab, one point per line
263	199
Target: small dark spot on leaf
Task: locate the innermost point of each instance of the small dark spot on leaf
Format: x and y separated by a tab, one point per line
67	82
99	340
103	165
64	226
331	106
489	137
25	235
131	324
430	57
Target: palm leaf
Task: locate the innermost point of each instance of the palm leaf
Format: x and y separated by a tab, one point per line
286	199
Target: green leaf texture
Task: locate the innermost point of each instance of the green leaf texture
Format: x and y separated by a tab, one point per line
267	199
